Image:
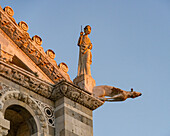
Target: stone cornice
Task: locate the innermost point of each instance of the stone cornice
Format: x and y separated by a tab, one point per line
63	88
31	47
25	79
76	94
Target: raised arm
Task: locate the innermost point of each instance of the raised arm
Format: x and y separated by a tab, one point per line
80	39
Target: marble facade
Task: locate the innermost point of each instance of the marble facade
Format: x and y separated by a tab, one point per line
36	94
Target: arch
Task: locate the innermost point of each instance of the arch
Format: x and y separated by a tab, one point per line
15	97
21	121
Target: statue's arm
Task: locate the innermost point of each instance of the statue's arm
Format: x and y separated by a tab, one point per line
80	39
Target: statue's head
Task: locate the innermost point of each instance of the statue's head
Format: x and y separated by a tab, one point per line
87	30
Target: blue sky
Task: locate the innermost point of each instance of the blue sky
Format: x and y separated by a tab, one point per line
131	48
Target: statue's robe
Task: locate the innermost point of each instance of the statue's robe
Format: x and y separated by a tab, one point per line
85	56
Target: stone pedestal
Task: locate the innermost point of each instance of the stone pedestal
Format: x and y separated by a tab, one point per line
85	82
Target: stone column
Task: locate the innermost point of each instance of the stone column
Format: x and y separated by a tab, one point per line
73	110
72	119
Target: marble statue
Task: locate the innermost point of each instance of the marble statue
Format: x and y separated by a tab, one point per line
85	56
113	94
84	79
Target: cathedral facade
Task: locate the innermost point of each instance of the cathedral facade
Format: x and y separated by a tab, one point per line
37	97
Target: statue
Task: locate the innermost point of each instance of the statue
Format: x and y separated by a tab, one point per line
113	93
85	56
84	79
86	82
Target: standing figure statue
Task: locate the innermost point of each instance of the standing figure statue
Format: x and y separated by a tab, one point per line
85	56
84	79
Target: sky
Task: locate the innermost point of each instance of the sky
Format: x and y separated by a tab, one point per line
131	49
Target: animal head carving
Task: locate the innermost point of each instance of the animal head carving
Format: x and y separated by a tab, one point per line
135	94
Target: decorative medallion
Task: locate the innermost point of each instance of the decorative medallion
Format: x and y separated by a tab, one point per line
23	26
37	39
9	11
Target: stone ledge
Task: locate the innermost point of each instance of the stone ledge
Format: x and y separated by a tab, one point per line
63	88
25	79
76	94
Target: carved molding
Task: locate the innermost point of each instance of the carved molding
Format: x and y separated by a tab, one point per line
26	44
48	111
76	94
11	93
61	89
25	80
5	56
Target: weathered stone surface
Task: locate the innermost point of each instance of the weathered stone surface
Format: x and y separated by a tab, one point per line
36	95
76	94
62	89
25	79
85	56
84	79
13	97
72	119
19	35
85	82
113	93
4	126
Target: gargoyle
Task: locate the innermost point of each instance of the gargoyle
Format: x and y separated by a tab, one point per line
113	93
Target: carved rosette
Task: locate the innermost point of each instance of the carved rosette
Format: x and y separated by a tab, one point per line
76	94
23	26
37	40
9	11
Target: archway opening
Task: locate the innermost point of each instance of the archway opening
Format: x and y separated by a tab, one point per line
22	122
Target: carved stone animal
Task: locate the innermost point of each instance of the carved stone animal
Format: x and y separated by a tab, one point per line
113	93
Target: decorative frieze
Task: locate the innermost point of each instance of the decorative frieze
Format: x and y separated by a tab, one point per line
47	90
76	94
26	80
